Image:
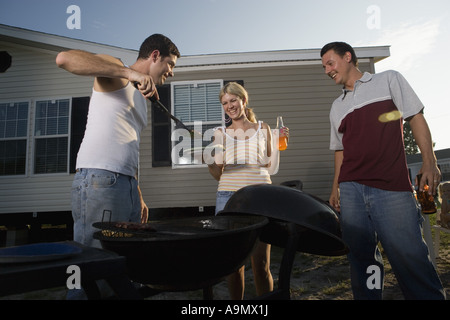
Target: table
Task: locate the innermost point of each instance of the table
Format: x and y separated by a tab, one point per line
428	238
437	234
94	264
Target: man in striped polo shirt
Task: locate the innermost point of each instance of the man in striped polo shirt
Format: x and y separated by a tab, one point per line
371	187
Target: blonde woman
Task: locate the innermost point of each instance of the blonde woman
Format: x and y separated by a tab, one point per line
247	159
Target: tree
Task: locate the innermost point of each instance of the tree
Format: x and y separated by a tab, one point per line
408	138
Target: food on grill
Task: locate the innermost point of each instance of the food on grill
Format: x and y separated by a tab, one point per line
116	234
135	226
126	229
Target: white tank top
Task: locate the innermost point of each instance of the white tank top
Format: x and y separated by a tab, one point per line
112	136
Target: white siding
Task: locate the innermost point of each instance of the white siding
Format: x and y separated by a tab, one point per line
34	75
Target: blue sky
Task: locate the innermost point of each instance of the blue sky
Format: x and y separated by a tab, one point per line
417	31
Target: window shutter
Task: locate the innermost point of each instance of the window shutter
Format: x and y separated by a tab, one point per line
80	108
161	130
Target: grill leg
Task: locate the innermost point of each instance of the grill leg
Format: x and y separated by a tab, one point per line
208	293
287	261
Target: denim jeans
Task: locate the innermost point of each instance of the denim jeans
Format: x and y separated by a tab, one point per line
96	190
370	215
222	198
93	191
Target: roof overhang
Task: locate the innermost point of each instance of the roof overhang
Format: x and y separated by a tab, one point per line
270	58
377	53
186	63
56	43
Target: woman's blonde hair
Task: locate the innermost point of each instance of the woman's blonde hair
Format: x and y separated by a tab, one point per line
236	89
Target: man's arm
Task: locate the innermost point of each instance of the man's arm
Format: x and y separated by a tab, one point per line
430	171
88	64
109	72
334	197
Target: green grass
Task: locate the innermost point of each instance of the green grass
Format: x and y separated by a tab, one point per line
444	237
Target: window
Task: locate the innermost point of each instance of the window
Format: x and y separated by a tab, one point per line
80	108
445	171
197	105
51	132
13	138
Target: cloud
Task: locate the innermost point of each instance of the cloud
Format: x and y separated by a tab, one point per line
410	43
99	24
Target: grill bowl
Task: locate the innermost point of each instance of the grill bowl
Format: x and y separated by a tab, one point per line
187	254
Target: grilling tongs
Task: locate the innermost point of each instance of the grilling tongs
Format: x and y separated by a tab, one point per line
166	111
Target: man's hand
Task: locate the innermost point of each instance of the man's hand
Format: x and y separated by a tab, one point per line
144	212
145	84
430	176
334	200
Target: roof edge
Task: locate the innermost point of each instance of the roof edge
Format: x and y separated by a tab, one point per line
377	53
58	43
55	42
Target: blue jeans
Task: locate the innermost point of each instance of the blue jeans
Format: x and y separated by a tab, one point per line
96	190
222	198
93	191
370	215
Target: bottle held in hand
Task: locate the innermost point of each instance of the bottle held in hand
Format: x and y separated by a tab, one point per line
425	199
282	140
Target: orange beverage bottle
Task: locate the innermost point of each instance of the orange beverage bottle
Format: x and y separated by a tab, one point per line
425	199
282	140
282	143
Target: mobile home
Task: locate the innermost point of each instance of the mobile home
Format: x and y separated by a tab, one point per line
43	113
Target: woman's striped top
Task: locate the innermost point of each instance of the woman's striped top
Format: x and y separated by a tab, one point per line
245	161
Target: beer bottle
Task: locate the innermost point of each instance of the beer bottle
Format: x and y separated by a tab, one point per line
426	200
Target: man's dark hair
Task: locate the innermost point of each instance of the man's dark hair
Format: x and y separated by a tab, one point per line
341	48
158	42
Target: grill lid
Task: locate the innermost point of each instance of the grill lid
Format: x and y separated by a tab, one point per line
317	222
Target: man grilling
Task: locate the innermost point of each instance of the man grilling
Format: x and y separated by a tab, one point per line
107	161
